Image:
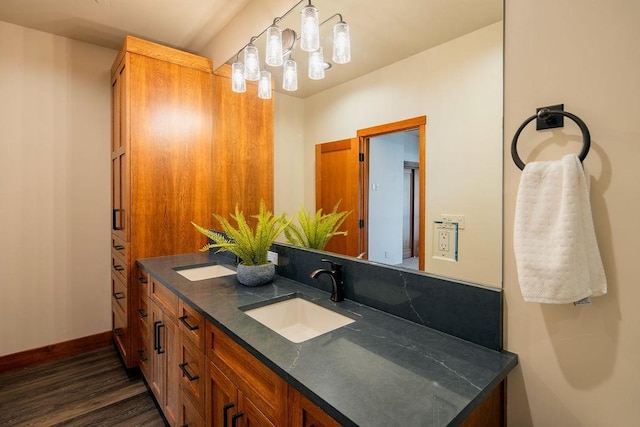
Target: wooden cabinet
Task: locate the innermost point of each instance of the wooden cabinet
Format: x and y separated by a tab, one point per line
304	413
170	132
239	387
161	167
164	372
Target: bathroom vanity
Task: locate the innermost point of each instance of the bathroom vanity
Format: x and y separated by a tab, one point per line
209	363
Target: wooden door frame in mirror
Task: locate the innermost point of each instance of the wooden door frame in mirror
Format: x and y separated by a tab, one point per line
419	123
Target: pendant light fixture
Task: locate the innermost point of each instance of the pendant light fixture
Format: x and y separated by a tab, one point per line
264	85
274	46
290	75
251	62
341	43
316	64
279	45
309	28
238	83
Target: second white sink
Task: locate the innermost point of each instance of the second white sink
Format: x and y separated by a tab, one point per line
203	272
297	319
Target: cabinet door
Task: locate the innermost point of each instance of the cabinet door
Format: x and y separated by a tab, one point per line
164	381
221	398
249	415
158	365
119	166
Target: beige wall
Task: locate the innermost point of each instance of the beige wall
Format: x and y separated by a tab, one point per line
458	86
579	366
54	186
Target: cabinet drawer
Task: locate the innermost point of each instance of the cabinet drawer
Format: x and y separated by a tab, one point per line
191	324
192	375
119	267
144	350
120	332
261	385
189	415
119	293
119	248
304	413
142	313
143	281
166	300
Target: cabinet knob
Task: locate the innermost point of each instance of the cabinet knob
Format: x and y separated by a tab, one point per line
119	295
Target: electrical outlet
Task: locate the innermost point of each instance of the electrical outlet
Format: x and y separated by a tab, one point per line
443	240
273	257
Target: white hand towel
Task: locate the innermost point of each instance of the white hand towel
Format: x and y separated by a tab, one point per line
555	245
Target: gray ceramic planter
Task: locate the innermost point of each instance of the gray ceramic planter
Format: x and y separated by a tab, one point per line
256	275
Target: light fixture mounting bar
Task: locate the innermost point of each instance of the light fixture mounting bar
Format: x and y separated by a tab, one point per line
275	21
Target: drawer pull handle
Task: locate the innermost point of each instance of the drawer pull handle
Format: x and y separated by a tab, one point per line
142	280
156	338
140	355
234	418
118	267
183	319
118	247
118	332
115	214
142	313
119	295
225	409
160	349
183	368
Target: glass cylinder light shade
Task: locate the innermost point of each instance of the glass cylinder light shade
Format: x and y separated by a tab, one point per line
290	75
341	43
310	29
274	46
251	63
264	85
238	83
316	65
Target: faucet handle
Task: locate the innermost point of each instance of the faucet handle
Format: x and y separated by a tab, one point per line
334	265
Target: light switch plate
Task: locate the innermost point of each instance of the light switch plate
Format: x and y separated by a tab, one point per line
454	218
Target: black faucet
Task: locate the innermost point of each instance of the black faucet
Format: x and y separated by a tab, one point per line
335	273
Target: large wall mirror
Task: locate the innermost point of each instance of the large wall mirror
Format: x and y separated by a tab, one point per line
441	59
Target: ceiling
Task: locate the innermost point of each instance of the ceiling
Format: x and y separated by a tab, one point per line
382	31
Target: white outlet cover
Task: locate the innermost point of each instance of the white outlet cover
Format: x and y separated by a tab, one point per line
445	241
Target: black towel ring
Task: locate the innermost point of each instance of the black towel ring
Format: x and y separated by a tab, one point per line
543	114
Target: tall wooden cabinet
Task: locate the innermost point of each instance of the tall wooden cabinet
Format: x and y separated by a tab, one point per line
184	146
161	157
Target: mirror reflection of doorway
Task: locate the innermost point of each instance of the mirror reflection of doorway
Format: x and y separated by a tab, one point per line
392	192
388	205
393	198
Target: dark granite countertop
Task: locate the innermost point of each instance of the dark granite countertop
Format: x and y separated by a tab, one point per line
379	371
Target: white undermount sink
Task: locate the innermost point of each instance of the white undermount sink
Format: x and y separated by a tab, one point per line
203	272
297	319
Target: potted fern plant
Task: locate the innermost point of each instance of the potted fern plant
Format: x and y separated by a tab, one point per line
315	231
250	245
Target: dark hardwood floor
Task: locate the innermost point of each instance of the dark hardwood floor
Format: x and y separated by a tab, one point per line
92	389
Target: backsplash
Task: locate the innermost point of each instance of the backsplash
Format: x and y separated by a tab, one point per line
470	312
